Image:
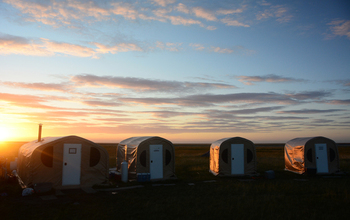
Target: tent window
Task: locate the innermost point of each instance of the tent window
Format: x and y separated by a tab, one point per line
143	158
249	156
331	154
47	156
309	155
224	155
167	157
94	156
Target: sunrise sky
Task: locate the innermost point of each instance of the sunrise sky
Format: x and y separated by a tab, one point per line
188	71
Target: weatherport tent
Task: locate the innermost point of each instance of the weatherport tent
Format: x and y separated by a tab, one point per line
153	155
64	162
313	153
233	156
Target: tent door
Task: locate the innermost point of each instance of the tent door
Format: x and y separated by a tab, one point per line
71	164
156	161
237	158
321	158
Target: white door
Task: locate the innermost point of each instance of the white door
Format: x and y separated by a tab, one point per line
237	158
71	164
156	161
321	158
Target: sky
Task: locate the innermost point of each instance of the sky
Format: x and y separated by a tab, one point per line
191	71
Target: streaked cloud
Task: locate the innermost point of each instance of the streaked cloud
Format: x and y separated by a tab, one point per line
219	99
164	3
340	28
121	47
339	102
232	22
10	44
202	13
75	13
61	87
144	85
272	78
174	47
279	12
310	111
27	101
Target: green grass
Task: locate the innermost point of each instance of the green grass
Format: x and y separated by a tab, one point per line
288	196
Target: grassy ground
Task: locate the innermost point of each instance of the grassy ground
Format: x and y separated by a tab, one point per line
198	194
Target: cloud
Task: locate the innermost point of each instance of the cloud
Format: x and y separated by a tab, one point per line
215	99
202	13
121	47
143	85
164	3
231	22
68	49
340	28
59	13
247	111
77	14
279	12
310	111
10	44
174	47
229	11
182	8
27	101
309	95
221	50
272	78
197	46
207	100
100	103
62	87
339	102
215	49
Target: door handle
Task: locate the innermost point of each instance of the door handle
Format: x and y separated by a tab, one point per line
233	158
151	161
65	164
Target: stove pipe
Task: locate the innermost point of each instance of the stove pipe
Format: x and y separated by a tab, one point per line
39	136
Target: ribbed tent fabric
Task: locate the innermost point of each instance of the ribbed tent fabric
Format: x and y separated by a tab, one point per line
320	153
222	157
43	162
136	151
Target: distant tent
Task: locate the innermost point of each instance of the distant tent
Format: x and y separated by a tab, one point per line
154	155
65	162
233	156
318	153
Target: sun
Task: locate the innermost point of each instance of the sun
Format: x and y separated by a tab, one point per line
4	134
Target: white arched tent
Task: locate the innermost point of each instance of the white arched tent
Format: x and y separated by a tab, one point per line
316	153
153	155
233	156
64	162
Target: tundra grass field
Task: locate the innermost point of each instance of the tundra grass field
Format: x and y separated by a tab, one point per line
196	193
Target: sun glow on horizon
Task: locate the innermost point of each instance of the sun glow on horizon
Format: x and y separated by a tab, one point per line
4	134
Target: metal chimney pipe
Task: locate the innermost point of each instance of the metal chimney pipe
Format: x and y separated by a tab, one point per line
39	136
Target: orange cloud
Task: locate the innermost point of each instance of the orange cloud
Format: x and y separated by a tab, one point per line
202	13
122	47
